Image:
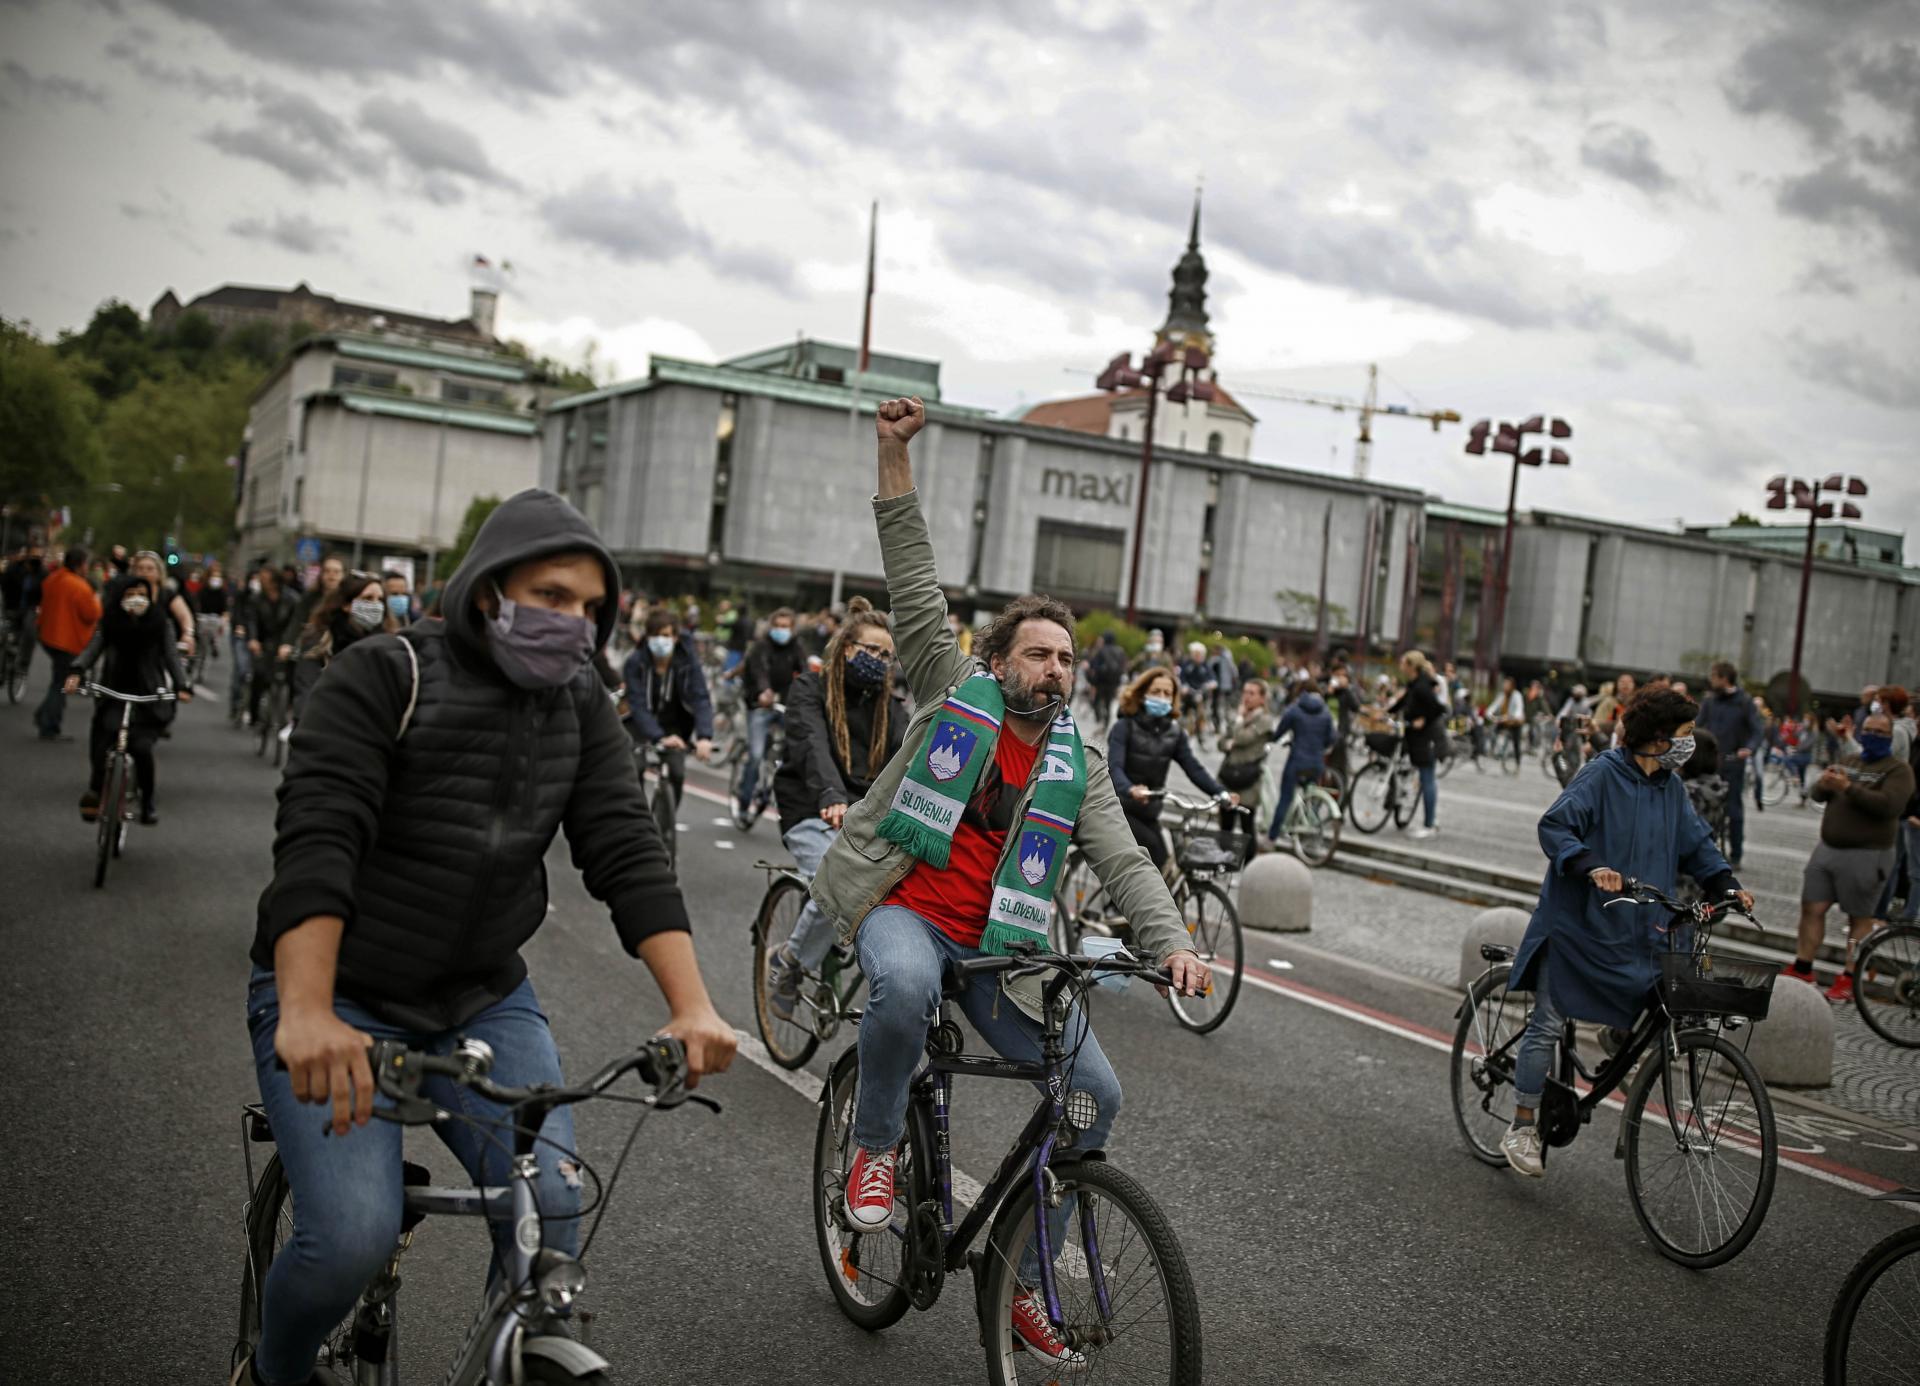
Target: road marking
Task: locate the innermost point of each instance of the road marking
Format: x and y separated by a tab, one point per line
1280	963
1814	1166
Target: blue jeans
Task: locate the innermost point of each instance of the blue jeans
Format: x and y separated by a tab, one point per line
1291	776
240	675
812	936
347	1190
1734	772
1534	1054
1429	794
759	726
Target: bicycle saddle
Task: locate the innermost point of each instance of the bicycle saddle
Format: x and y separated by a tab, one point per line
1498	952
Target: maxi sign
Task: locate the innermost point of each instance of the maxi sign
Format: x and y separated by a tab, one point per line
1087	486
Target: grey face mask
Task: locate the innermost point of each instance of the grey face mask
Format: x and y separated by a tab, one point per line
1678	754
537	648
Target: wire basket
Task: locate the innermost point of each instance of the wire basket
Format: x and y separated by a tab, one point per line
1210	853
1383	743
1701	984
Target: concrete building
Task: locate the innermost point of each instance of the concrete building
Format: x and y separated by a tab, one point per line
235	305
376	445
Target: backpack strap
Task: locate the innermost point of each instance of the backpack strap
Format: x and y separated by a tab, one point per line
413	693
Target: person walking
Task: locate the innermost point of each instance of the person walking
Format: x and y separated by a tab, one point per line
1225	678
69	611
1865	798
1106	671
1728	712
1420	707
1245	742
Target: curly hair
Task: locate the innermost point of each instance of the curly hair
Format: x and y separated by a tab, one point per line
996	641
833	679
1133	698
1655	714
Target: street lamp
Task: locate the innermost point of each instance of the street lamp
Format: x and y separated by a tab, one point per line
1793	493
1511	439
1186	385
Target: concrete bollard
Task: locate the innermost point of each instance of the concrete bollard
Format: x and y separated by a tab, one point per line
1794	1044
1502	925
1276	894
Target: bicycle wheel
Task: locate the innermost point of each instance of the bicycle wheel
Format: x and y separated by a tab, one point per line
269	1227
1214	925
15	675
789	1042
1870	1333
1886	984
1774	783
1443	764
1700	1194
1316	826
1509	758
277	720
1406	795
110	823
1150	1328
667	820
866	1270
1490	1022
263	727
1367	803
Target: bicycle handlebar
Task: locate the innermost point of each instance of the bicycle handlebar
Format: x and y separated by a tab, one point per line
1638	892
1186	805
1041	960
100	690
399	1070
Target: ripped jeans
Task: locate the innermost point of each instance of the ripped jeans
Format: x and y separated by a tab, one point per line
347	1189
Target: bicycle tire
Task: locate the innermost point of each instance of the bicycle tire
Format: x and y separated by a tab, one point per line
1466	1069
277	720
1371	786
267	1200
1509	757
843	1253
1316	848
106	824
1443	764
1407	796
1009	1363
1658	1131
1221	945
1894	949
123	766
789	1043
1774	783
1854	1292
666	818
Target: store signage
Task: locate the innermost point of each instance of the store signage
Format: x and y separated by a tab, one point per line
1087	486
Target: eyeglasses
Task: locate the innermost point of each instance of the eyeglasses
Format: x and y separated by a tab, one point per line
877	651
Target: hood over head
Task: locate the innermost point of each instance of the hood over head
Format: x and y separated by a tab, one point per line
532	524
1312	702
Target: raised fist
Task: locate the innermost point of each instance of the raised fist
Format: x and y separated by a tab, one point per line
899	419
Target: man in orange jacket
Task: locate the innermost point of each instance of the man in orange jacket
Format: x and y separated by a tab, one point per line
69	609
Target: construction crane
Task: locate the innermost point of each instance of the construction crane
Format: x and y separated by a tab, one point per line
1368	408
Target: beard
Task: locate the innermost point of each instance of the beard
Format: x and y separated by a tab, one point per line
1025	699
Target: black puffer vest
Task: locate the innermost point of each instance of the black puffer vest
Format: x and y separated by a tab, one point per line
1152	744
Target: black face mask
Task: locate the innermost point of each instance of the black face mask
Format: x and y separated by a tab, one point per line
865	670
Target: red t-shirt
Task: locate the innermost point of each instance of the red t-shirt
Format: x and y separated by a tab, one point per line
955	901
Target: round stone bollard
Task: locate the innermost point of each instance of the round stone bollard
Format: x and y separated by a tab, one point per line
1793	1046
1504	924
1276	894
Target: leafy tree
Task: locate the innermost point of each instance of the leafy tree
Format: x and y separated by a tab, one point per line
451	559
1744	521
112	353
47	440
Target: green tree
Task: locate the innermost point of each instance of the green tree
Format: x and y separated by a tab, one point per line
48	445
452	558
1744	521
112	354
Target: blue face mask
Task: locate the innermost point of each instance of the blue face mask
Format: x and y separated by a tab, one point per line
399	603
1157	707
779	635
660	646
1874	747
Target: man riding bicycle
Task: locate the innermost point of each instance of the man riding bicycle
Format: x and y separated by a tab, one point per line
668	707
772	664
432	770
956	849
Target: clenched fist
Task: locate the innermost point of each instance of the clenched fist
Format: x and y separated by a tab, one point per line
899	419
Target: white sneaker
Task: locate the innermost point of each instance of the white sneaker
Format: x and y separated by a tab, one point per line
286	733
1421	834
1521	1146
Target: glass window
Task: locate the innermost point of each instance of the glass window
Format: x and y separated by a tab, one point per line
360	377
1078	560
1214	442
454	392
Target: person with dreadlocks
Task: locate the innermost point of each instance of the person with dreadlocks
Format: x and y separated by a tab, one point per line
843	724
133	649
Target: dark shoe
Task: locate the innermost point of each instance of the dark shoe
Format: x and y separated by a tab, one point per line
147	815
90	806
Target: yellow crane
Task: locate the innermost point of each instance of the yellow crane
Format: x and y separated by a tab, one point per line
1367	408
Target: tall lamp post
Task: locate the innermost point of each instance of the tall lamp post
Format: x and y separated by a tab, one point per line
1793	493
1511	439
1151	377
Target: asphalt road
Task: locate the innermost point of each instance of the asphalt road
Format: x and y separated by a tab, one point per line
1336	1227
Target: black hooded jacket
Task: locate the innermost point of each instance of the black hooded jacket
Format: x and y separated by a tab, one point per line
431	846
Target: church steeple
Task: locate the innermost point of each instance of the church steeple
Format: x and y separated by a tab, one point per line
1186	323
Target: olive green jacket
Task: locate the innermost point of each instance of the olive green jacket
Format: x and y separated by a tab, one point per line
862	868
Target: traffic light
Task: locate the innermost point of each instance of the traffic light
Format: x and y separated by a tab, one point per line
172	552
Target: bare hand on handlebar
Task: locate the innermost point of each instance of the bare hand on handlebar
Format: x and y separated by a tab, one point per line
326	1061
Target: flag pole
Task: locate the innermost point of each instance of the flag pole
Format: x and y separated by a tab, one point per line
866	334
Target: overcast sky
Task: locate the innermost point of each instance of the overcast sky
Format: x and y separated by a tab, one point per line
1692	229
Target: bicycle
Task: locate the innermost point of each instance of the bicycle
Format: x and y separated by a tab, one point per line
1870	1329
116	809
744	819
1202	854
1386	787
1886	983
1712	1107
519	1335
1506	748
658	791
826	997
1123	1248
14	658
1312	825
274	715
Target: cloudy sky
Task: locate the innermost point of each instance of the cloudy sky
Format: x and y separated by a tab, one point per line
1692	229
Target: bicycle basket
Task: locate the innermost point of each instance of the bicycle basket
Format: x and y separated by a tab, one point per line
1383	743
1208	854
1706	985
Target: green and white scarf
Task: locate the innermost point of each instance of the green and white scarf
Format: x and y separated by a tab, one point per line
940	781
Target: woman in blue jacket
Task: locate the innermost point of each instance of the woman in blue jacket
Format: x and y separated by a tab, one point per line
1312	728
1146	740
1625	814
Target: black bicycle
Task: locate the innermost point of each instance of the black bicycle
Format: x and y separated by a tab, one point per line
1886	983
1115	1287
826	997
520	1334
745	818
658	790
1871	1329
14	656
274	709
1701	1155
116	802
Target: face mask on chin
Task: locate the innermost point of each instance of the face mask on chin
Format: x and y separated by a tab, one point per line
536	647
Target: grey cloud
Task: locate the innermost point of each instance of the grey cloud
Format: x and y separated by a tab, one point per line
1531	39
298	136
1596	313
1790	73
1850	364
1823	277
1622	152
303	166
429	144
34	87
1397	135
127	49
297	233
1835	194
644	224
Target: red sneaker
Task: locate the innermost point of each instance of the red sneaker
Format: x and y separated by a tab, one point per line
870	1189
1037	1333
1791	971
1842	989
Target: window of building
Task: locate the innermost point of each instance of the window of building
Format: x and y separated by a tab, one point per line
982	496
299	492
454	392
1126	431
832	375
1215	442
1080	561
360	377
722	472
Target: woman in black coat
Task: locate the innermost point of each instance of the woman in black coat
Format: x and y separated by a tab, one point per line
1425	713
1146	740
358	607
133	652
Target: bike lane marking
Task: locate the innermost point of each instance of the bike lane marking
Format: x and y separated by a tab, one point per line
1811	1164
